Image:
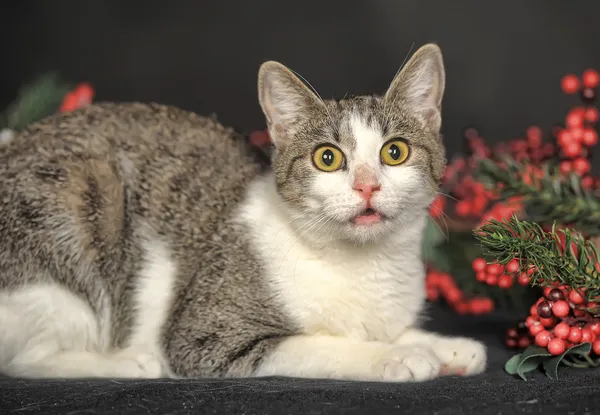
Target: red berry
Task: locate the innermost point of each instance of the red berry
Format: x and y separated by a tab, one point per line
564	138
511	343
479	264
591	114
534	136
565	167
535	328
587	335
463	208
437	206
505	281
453	295
542	338
581	166
595	327
575	334
574	119
544	309
576	298
462	307
481	276
548	322
84	92
577	133
596	347
491	279
494	269
530	321
572	150
512	332
524	280
556	294
524	342
590	78
70	102
479	203
533	311
512	266
590	137
587	182
556	346
562	330
570	84
561	308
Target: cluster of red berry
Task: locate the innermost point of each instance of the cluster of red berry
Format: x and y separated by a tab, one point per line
579	133
81	95
503	276
442	285
561	319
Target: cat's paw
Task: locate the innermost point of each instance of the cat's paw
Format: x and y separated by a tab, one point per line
406	364
460	355
139	364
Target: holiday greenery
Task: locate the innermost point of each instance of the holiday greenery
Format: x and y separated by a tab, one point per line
42	97
532	207
515	226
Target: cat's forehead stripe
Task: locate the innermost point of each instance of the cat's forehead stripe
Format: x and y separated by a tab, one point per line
367	136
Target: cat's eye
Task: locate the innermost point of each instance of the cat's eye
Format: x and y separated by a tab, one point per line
394	152
328	158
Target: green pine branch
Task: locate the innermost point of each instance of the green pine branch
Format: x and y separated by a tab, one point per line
551	198
40	98
553	263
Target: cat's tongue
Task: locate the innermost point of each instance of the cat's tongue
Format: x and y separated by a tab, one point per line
369	218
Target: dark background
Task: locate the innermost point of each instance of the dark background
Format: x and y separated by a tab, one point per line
504	58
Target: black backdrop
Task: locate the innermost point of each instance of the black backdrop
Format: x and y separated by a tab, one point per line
504	58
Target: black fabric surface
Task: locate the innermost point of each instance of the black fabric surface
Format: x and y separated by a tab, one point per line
494	392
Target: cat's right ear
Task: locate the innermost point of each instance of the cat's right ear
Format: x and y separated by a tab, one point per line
285	101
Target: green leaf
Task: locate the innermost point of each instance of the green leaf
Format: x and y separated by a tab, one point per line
432	236
551	365
512	364
529	360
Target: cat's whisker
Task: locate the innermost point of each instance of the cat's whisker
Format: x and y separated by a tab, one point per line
298	230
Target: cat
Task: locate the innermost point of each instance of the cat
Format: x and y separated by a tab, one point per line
145	241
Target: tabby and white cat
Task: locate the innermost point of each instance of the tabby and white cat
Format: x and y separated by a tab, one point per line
143	241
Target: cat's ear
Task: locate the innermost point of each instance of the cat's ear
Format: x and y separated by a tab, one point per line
420	86
285	101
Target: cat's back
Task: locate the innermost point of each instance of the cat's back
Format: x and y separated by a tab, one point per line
140	133
83	181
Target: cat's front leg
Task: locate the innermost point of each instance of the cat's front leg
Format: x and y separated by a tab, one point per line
458	355
349	359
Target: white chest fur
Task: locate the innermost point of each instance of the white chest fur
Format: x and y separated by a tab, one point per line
369	293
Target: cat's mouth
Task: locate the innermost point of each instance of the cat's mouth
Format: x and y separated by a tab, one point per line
368	217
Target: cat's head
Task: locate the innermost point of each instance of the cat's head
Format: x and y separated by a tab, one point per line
357	168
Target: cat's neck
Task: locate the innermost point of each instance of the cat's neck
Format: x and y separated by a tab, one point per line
269	214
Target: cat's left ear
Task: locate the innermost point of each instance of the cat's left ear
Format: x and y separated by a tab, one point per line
420	86
285	101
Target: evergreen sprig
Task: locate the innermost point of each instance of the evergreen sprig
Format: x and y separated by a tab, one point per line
36	100
570	260
548	197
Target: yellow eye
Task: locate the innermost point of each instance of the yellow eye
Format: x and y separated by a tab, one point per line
394	152
328	158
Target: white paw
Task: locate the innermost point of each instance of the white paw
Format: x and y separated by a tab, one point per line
460	355
138	364
406	364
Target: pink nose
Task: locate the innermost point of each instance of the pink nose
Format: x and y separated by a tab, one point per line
366	190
